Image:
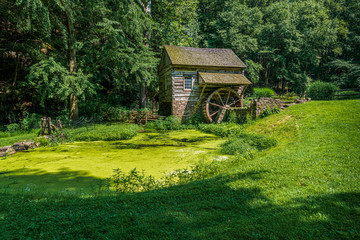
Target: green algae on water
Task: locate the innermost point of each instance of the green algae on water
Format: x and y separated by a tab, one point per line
81	165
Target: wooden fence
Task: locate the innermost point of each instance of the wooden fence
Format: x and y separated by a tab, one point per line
142	117
341	94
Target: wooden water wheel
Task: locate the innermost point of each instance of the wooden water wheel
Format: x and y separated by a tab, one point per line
219	102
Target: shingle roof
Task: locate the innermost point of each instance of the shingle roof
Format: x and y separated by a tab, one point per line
209	57
224	78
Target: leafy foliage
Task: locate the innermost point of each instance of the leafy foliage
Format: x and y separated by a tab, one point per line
223	129
103	51
237	146
263	92
321	91
52	80
104	132
170	123
268	111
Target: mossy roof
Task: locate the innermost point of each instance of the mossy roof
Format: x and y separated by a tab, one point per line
203	57
223	78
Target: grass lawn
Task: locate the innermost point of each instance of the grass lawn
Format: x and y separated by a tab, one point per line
307	187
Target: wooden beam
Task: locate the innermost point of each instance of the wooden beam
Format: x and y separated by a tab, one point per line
242	94
199	102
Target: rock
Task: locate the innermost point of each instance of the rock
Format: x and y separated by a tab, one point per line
5	151
11	151
25	145
19	146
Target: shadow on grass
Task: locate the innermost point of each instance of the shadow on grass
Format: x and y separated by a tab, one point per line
35	180
207	209
121	145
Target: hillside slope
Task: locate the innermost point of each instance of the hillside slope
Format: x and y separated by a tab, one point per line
305	188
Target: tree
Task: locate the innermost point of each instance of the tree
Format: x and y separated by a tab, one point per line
100	42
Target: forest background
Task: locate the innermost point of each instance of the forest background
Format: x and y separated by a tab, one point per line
88	58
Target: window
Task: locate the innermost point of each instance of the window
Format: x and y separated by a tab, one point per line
187	82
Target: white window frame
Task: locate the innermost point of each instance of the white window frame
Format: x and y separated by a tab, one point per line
188	89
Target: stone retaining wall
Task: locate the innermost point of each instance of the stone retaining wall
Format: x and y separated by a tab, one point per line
257	106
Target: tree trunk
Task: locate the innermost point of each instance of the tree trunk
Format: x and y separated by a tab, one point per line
74	111
143	90
143	97
73	102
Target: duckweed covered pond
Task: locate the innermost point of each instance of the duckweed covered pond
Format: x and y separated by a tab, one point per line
81	166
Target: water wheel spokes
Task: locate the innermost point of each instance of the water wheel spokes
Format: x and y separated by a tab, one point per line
217	104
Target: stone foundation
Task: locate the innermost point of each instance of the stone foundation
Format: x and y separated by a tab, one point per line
183	109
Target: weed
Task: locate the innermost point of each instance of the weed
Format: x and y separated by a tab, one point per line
237	146
43	141
169	123
268	111
134	181
223	129
104	132
263	92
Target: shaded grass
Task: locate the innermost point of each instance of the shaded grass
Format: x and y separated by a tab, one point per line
307	187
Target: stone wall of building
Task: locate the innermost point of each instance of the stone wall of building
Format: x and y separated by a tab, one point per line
184	108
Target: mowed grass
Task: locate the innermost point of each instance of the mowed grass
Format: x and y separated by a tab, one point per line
307	187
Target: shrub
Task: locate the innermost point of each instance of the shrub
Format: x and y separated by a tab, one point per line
237	146
42	141
321	90
134	181
222	130
169	123
247	144
195	120
260	142
105	133
30	121
268	111
101	112
263	92
13	127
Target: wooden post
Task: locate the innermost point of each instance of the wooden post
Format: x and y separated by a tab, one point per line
199	102
49	125
242	96
43	125
220	115
59	124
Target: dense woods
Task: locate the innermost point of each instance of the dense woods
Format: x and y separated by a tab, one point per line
71	57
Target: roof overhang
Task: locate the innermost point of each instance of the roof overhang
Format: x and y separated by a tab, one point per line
223	79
